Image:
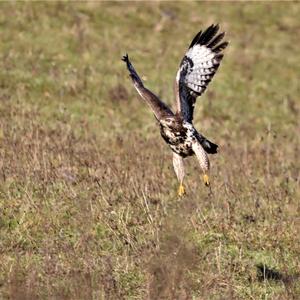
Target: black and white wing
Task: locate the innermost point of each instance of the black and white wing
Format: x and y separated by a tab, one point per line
159	108
197	69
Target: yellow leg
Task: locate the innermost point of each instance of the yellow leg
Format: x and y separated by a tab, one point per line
206	179
181	190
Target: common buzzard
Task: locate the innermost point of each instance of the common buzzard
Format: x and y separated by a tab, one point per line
196	70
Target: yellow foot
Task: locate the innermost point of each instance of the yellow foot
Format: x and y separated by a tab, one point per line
206	179
181	190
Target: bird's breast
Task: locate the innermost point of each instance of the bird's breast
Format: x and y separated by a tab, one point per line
179	140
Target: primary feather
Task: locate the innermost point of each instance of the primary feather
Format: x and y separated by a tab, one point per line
197	69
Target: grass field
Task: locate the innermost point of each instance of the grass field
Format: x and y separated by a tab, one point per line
88	205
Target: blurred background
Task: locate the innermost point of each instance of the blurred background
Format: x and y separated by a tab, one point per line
87	188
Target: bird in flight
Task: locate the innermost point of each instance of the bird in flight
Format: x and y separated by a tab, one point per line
196	70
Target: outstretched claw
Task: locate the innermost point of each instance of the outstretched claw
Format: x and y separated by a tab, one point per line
206	180
181	190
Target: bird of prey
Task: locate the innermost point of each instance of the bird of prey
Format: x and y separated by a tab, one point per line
196	70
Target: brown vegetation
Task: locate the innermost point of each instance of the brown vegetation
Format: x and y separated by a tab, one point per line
87	190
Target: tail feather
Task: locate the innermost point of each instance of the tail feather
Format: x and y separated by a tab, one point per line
207	145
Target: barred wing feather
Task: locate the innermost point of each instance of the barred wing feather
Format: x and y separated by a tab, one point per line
197	69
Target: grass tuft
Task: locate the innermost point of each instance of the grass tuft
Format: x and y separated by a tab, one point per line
87	191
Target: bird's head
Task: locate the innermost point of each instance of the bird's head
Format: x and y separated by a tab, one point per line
168	122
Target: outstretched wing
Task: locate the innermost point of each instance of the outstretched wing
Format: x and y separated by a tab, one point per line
197	69
159	108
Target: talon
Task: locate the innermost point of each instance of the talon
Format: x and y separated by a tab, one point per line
181	190
206	179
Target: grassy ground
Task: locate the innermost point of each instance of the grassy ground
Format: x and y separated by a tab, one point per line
87	190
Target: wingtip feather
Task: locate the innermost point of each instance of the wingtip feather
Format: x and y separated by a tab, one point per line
125	57
220	47
210	38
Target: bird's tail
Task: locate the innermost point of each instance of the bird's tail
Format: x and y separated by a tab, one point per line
207	145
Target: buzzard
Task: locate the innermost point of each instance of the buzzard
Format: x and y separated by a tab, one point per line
196	70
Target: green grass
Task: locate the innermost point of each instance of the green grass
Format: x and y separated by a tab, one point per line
87	191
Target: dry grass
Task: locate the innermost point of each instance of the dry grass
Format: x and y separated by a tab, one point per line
87	191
